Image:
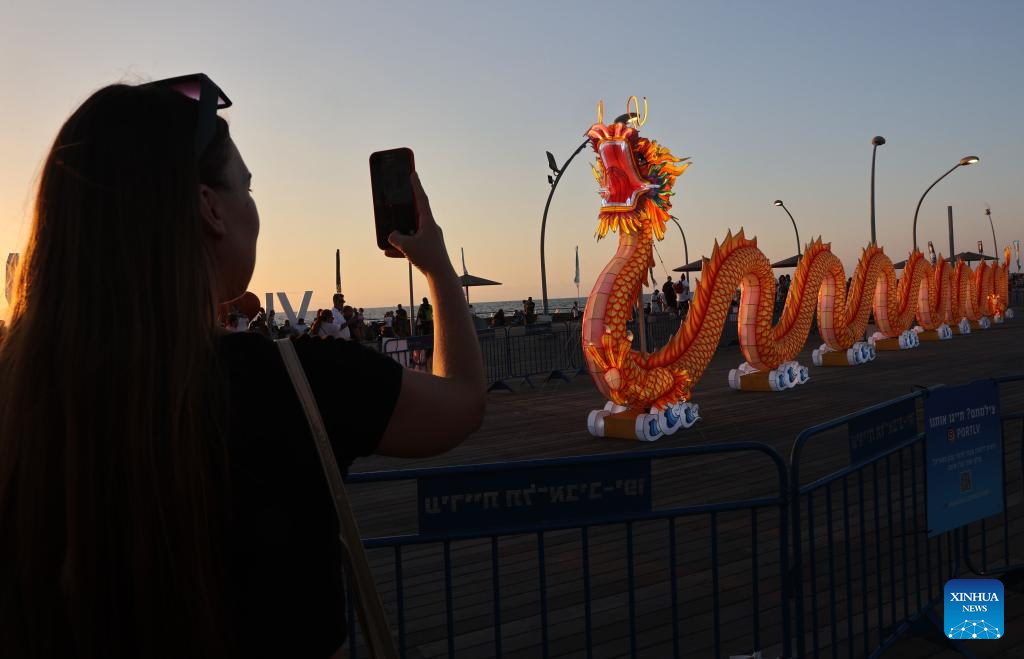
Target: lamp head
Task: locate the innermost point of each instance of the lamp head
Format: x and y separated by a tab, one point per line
878	140
777	202
968	160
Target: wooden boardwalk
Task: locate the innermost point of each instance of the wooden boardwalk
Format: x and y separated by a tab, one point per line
550	421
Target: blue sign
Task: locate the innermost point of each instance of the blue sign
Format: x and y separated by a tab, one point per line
974	609
964	453
517	498
424	342
877	431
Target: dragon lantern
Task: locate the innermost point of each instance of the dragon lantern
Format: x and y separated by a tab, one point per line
648	393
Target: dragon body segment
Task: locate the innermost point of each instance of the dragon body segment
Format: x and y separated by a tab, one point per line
648	393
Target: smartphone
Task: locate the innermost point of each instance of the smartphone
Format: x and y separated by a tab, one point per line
394	207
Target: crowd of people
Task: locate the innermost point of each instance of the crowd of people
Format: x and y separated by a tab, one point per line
674	297
341	321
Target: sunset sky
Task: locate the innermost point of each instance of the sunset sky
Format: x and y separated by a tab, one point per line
770	100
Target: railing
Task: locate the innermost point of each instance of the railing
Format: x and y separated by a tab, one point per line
491	561
860	542
524	353
638	572
512	355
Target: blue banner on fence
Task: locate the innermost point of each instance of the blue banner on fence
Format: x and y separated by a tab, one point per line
516	498
876	432
965	455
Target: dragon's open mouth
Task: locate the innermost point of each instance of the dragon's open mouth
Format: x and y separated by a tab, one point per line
621	184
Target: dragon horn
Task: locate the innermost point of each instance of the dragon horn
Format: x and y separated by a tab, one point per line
600	111
636	120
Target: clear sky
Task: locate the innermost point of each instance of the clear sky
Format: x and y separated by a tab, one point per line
771	100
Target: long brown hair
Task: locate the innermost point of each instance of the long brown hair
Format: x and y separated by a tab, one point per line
112	467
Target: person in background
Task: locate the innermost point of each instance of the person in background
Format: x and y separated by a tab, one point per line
425	318
351	331
360	331
530	310
337	313
301	327
259	324
684	297
670	294
734	306
498	320
324	326
167	500
575	311
401	321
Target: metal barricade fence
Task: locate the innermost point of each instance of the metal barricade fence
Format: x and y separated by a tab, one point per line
543	350
659	327
864	568
999	536
608	554
509	353
494	350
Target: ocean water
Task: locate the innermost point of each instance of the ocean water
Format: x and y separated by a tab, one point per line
487	309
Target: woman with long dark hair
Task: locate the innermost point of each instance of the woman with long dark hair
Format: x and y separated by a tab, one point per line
158	498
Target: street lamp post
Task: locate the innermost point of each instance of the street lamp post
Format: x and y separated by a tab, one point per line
558	171
966	160
995	245
778	202
877	141
686	250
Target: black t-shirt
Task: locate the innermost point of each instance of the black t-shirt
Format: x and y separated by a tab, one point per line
286	590
669	291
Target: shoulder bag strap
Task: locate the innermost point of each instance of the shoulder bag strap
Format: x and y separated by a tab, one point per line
372	617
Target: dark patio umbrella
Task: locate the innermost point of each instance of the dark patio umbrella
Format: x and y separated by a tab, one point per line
692	266
787	263
899	265
467	280
972	256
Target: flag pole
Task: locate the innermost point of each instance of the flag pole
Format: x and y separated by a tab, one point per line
577	279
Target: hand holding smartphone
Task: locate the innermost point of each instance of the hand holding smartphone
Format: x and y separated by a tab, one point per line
394	206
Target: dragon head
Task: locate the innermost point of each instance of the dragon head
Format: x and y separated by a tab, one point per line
635	176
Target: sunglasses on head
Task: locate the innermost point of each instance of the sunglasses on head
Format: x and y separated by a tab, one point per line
210	97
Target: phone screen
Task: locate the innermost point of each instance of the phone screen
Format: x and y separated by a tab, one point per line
393	203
